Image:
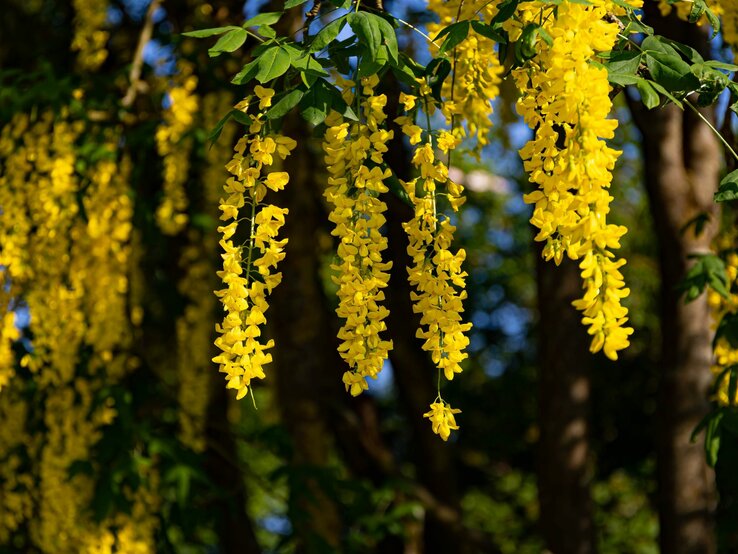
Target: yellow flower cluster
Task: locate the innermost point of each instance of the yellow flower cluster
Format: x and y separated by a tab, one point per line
565	100
17	484
729	29
247	269
174	145
442	419
354	155
90	36
71	272
435	273
8	335
477	71
100	254
38	181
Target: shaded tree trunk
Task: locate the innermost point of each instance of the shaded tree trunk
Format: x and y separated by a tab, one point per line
308	377
564	472
235	530
682	162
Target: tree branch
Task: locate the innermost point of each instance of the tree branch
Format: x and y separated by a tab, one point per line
137	65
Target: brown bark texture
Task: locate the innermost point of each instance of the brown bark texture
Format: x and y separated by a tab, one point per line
682	164
564	463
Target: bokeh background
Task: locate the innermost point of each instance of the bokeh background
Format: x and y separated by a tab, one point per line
136	446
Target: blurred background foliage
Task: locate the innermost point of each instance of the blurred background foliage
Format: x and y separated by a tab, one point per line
376	480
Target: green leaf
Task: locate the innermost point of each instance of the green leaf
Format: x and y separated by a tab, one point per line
649	96
218	129
272	64
204	33
699	7
505	11
671	71
437	71
623	64
663	91
316	102
388	35
229	42
310	69
285	104
247	73
454	33
712	439
487	31
327	34
715	64
714	22
267	18
728	188
266	31
727	329
708	269
684	49
366	31
369	66
623	4
525	47
292	3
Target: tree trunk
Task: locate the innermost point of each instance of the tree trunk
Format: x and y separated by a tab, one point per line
235	531
564	471
682	163
308	378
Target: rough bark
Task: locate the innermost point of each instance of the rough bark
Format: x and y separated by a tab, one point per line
564	472
682	162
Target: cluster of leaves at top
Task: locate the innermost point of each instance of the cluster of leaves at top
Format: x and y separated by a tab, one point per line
662	70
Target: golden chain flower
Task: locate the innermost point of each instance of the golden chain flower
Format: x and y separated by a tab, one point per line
477	71
565	100
248	281
435	273
354	157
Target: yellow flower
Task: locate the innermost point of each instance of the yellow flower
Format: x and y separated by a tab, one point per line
358	214
243	356
265	96
565	100
441	416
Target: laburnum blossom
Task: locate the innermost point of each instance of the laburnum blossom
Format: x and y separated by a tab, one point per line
248	270
477	72
174	144
353	154
565	100
441	416
435	273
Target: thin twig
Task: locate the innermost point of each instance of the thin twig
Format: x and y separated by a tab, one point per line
137	65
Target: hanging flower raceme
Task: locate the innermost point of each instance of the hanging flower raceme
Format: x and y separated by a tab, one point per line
247	272
354	157
476	71
175	146
90	36
565	100
435	272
